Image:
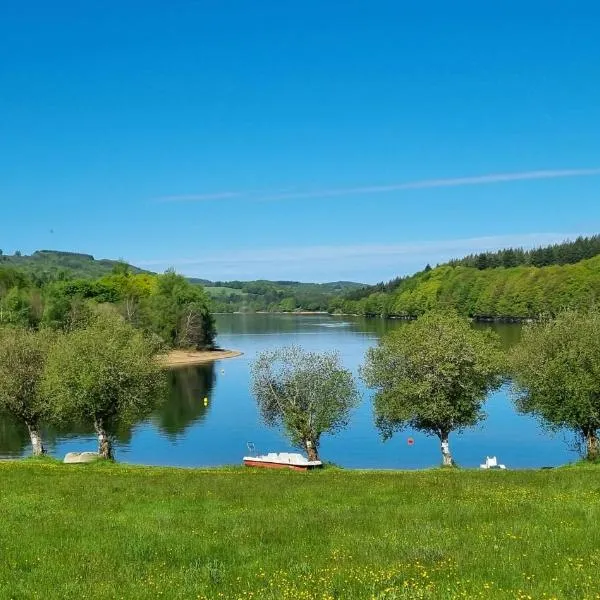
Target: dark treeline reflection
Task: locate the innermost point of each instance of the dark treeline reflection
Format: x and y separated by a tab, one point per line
182	407
185	402
14	438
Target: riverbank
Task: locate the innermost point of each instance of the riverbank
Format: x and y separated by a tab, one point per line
188	358
87	531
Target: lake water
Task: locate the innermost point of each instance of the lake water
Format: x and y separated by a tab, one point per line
185	432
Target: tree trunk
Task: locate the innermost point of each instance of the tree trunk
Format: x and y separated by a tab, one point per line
592	445
311	450
37	445
446	456
104	443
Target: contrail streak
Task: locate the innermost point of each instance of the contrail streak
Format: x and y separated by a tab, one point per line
258	196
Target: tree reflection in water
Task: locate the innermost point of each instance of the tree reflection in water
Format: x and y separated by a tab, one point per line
184	405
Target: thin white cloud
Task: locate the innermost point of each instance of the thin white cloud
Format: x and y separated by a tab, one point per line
382	189
330	263
438	183
199	197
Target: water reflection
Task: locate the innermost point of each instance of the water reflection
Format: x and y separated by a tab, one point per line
184	431
185	404
14	438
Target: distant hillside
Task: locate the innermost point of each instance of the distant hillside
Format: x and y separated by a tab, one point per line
285	296
44	266
48	265
492	292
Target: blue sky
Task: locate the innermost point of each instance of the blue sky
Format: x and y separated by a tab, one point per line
297	140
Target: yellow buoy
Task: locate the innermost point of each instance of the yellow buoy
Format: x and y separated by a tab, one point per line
205	401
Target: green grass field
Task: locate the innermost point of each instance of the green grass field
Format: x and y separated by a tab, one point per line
116	531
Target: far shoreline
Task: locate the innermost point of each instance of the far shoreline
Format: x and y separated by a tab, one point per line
188	358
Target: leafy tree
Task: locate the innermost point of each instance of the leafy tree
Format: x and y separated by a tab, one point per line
179	313
65	308
16	308
307	393
105	374
23	355
287	305
433	375
556	370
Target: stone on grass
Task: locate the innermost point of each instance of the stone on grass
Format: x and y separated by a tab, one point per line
81	457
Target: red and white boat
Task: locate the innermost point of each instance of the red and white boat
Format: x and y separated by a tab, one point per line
282	460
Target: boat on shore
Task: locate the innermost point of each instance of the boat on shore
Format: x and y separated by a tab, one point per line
282	460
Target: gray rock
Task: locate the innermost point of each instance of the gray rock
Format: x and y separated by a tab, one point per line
81	457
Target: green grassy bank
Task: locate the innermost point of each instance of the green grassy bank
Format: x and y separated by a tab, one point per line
115	531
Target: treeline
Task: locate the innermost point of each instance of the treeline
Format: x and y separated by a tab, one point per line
275	296
521	292
168	306
566	253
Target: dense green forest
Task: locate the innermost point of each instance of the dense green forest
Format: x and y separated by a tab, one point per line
276	296
566	253
167	306
518	292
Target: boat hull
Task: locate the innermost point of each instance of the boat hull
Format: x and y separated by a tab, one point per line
278	465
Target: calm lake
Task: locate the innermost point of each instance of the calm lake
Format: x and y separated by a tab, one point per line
185	432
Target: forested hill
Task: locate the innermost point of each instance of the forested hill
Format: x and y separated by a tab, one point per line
508	284
567	253
45	266
50	265
519	292
278	296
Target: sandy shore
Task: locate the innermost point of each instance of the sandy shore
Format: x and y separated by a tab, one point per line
183	358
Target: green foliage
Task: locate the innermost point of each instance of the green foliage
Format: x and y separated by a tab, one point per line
179	313
49	265
23	356
568	252
103	374
433	375
18	307
275	296
556	370
307	393
523	292
166	305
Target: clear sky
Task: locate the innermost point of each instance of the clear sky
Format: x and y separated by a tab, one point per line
315	140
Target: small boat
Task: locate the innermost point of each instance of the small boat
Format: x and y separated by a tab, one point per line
282	460
491	462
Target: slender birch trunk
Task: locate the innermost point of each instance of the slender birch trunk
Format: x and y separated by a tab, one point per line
592	445
447	460
104	444
311	450
37	444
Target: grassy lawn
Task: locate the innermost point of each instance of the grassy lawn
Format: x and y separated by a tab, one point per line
116	531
